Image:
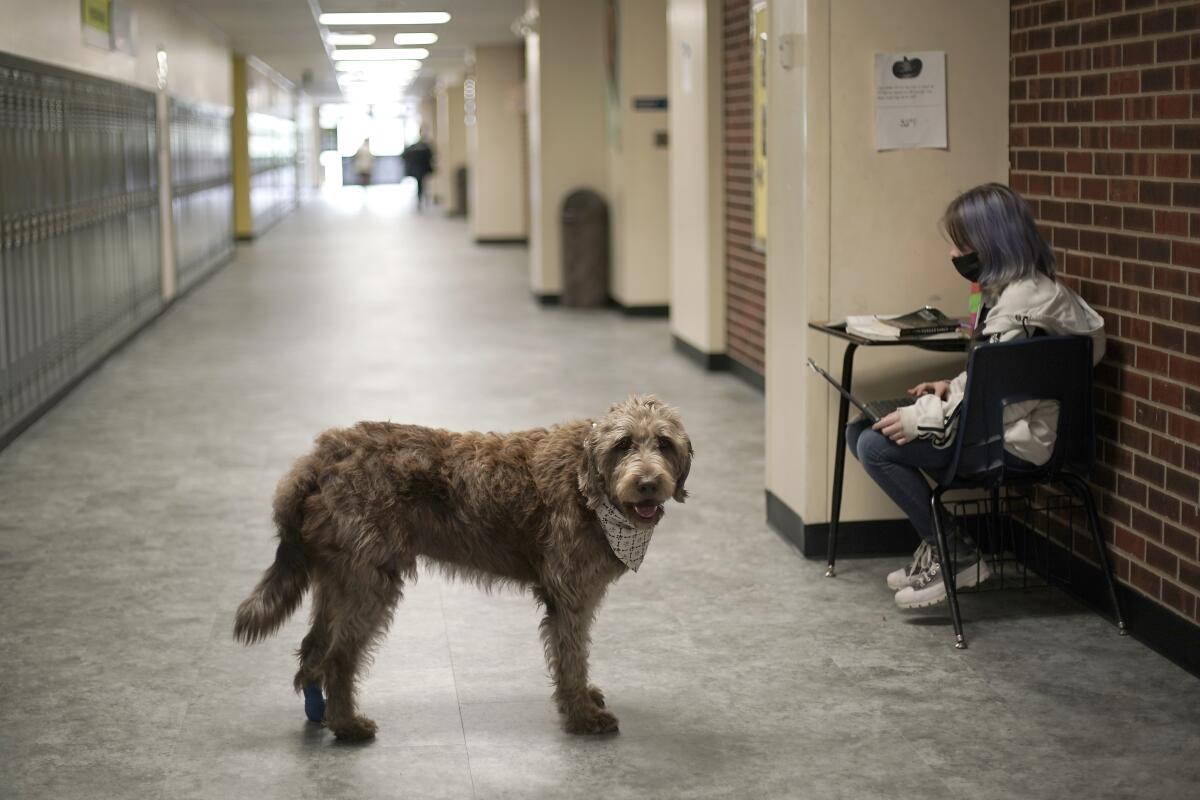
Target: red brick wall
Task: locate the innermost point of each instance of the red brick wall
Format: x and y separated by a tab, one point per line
1105	142
745	269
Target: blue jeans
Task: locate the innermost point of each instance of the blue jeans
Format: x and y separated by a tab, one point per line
897	470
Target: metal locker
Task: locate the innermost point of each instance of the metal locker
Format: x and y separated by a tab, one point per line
79	228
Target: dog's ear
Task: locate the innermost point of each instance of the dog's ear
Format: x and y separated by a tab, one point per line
681	492
591	480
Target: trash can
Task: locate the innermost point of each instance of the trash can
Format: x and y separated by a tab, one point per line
584	249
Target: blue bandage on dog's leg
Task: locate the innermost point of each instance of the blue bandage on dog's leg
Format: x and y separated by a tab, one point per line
314	703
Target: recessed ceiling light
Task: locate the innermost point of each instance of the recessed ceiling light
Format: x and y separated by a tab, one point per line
387	18
415	38
381	54
350	39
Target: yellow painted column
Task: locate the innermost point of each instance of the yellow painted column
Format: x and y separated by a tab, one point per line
243	219
265	146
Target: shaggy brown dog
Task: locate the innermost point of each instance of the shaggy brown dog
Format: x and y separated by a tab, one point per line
519	508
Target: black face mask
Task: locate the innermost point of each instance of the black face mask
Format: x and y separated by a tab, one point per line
968	266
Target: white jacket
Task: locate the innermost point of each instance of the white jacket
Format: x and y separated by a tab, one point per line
1029	426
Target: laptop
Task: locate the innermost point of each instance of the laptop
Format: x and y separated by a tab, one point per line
874	410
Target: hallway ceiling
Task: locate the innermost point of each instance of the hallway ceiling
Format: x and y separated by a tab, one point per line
285	33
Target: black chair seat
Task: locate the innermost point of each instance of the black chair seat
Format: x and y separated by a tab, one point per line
1042	368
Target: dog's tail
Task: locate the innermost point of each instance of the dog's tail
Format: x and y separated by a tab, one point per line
282	586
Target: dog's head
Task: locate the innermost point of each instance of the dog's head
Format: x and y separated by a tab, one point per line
638	456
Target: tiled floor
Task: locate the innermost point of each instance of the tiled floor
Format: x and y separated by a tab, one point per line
135	516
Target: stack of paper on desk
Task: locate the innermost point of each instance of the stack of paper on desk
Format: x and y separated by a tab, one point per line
870	327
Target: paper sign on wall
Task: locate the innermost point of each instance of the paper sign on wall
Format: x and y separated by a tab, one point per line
95	23
910	100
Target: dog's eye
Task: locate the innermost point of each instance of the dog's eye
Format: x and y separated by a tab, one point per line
625	443
665	444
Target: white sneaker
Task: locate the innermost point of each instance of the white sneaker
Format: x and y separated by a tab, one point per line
929	589
907	575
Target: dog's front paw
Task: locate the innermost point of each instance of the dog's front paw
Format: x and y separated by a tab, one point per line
590	721
596	695
355	729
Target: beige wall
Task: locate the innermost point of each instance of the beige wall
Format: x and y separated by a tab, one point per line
637	168
197	54
451	152
855	231
697	275
496	143
566	91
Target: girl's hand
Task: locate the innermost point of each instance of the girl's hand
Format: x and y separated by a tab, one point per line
940	388
890	427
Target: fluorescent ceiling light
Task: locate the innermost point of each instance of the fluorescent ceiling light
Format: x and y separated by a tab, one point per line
388	18
386	79
381	54
350	39
366	75
382	86
415	38
383	90
380	66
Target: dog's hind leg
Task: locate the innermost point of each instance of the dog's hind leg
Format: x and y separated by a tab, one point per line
566	635
311	653
357	614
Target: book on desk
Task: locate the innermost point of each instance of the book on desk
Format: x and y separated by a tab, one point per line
924	323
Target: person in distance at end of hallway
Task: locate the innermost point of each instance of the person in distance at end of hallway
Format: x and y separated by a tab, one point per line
996	244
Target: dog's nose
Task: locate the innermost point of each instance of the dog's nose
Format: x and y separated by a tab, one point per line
648	488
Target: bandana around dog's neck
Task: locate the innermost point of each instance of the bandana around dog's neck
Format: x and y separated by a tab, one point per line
628	542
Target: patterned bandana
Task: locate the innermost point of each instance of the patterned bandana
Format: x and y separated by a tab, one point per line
628	542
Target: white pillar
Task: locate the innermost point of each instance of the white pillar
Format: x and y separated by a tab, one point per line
638	159
697	191
566	91
853	230
498	208
451	152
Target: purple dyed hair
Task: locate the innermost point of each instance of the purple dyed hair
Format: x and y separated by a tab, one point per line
998	224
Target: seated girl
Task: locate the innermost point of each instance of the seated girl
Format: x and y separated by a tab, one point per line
996	244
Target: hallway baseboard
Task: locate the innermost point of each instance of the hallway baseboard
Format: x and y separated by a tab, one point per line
640	311
713	362
720	362
748	375
555	299
661	311
876	537
502	240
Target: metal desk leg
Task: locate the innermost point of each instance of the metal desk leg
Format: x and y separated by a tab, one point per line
839	458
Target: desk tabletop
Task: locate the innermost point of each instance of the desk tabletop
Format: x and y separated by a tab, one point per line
838	330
